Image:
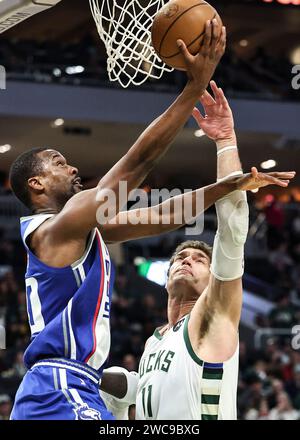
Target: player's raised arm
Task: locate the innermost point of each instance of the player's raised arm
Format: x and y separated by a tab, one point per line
220	304
169	215
79	214
166	216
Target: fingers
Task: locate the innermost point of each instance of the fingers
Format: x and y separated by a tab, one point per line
254	172
279	178
206	99
184	51
219	96
214	40
198	116
223	99
277	182
283	175
206	42
216	33
217	93
221	45
268	179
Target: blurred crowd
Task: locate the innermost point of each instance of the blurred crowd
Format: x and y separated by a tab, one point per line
262	75
269	382
279	238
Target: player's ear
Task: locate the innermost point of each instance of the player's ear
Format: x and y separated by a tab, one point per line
35	183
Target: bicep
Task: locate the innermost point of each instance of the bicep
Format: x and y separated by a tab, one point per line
132	225
76	219
227	296
213	325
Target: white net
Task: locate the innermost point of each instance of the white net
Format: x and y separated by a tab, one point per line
124	27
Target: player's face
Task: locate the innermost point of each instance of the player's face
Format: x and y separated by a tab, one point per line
190	268
59	179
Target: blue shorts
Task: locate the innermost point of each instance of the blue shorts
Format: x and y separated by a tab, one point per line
60	389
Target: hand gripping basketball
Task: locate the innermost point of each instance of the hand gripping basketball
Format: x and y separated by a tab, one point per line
201	67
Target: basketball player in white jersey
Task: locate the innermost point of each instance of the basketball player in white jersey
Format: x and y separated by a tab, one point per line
189	369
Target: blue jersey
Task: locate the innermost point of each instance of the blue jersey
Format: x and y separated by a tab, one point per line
69	308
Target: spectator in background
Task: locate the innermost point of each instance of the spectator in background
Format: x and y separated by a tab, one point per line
18	367
280	258
259	413
5	406
293	387
275	220
3	362
3	183
284	314
129	362
284	409
249	397
295	293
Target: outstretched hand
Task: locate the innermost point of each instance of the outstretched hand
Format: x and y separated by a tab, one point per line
256	180
201	67
218	123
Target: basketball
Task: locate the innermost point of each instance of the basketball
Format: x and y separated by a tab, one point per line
180	19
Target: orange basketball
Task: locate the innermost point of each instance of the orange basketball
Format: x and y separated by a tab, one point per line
180	19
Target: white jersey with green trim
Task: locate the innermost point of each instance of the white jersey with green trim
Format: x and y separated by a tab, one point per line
175	384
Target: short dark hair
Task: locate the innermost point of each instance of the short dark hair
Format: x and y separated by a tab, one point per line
194	244
26	165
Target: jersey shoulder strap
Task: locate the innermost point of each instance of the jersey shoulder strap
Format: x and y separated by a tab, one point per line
31	224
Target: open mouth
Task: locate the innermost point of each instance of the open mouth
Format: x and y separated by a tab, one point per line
77	181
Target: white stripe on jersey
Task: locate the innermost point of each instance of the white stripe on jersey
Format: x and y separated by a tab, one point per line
34	224
68	367
87	251
76	275
65	332
63	378
81	272
55	378
102	328
76	396
72	337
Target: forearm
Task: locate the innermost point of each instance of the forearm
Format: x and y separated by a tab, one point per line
228	161
232	214
159	135
114	383
120	384
165	217
193	203
156	139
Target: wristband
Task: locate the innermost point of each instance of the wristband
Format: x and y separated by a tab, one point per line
223	150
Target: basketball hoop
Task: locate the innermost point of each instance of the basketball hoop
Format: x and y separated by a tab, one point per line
124	27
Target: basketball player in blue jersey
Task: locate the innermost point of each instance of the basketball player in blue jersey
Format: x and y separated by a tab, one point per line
69	274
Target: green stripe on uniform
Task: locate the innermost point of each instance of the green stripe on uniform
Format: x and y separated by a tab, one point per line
209	417
212	375
210	392
209	399
188	343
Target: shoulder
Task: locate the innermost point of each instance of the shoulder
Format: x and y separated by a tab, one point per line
32	225
41	233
